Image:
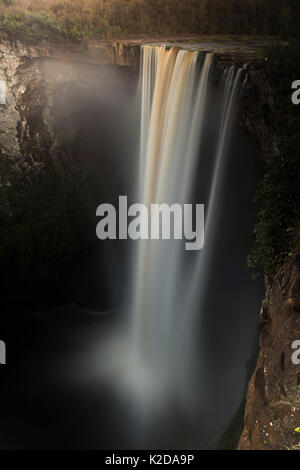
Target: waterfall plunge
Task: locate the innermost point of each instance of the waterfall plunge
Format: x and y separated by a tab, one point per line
169	284
174	389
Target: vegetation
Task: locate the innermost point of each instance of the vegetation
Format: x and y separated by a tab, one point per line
277	232
52	20
75	20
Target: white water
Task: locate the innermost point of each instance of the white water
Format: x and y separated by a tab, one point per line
168	286
172	365
166	374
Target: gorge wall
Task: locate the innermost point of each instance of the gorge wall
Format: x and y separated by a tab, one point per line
39	136
273	400
38	78
58	157
27	69
272	411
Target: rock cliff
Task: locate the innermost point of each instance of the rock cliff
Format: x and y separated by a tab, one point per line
272	411
57	156
29	78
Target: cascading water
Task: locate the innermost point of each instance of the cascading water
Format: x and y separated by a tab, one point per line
168	282
163	361
179	381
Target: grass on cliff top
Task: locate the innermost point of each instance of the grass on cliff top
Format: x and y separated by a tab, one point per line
76	20
70	25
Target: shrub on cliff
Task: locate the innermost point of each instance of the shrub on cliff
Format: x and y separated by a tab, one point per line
79	19
277	232
15	24
34	25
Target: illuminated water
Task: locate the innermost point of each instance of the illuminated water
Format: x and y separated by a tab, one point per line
169	284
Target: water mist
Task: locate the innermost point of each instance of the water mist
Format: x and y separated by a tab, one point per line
162	361
167	282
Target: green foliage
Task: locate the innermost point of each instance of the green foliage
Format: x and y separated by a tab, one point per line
277	231
75	20
18	25
278	220
31	26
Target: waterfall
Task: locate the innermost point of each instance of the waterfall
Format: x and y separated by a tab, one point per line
176	375
175	358
168	284
232	87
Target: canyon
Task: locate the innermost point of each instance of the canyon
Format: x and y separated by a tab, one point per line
39	135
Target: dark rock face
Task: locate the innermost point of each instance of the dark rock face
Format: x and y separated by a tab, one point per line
259	101
36	80
273	401
58	158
